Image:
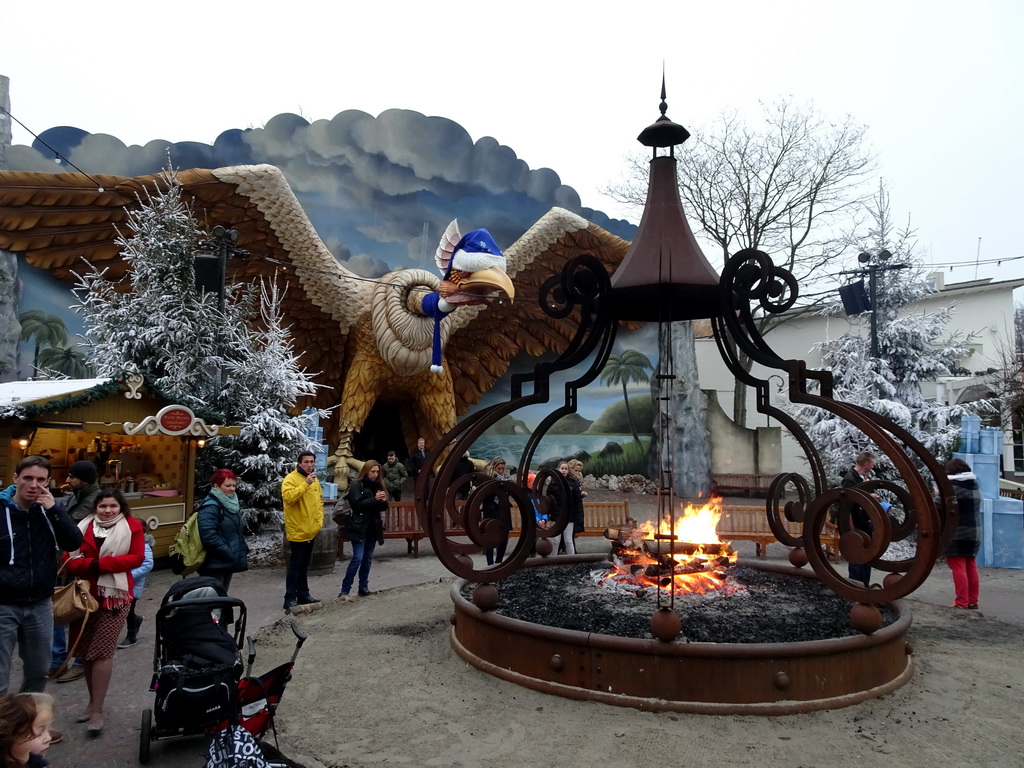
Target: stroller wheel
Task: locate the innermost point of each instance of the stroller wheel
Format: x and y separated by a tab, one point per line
145	735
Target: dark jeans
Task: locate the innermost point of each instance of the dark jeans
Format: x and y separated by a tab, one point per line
362	559
490	553
295	584
396	494
861	573
59	651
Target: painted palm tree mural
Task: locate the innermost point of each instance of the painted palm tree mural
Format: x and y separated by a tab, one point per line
43	330
629	367
68	361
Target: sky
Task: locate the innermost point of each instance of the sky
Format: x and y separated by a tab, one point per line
566	85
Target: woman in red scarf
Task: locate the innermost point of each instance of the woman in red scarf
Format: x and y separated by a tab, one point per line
112	545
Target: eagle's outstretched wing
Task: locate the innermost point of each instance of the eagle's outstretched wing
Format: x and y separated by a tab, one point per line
63	220
485	339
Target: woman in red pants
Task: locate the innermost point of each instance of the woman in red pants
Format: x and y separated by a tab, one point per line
964	548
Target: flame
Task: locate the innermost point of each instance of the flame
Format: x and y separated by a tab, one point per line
700	568
695	525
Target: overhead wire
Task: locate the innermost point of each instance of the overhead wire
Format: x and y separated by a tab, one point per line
351	276
60	158
57	156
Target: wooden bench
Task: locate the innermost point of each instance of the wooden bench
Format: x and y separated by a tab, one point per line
597	515
737	484
403	523
400	522
750	523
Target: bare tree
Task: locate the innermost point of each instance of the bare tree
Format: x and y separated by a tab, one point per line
1008	382
788	186
1018	329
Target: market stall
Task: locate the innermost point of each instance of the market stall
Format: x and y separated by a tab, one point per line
140	442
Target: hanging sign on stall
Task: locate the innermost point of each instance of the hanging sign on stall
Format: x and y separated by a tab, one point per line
172	420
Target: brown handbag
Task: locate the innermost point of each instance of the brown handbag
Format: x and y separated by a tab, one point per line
72	601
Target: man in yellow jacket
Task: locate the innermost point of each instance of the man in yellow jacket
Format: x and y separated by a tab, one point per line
303	519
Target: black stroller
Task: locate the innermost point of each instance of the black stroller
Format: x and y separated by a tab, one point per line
197	670
196	662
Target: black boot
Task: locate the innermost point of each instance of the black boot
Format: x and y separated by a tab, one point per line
134	623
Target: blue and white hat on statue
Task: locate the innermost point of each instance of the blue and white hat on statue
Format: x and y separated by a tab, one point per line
462	255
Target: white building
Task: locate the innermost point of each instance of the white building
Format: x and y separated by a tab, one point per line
984	309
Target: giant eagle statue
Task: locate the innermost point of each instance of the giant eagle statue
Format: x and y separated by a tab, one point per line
370	340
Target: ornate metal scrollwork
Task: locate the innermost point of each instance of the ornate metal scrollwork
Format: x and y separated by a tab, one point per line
750	278
583	287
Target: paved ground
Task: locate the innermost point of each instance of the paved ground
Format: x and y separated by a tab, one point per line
262	591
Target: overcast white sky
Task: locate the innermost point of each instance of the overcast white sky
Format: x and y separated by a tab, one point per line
567	85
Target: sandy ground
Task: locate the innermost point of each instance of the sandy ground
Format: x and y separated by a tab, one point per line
378	684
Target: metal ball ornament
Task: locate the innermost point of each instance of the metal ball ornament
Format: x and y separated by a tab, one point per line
485	597
865	618
797	557
666	624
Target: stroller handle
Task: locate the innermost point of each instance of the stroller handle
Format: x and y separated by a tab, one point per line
251	644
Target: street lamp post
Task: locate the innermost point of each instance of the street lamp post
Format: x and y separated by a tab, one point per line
221	248
211	266
874	265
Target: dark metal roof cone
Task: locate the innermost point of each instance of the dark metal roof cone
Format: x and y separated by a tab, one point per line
664	274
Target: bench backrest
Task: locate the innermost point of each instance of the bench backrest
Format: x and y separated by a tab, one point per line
750	519
401	516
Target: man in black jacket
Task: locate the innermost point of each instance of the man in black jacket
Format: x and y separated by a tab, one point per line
34	529
418	458
859	473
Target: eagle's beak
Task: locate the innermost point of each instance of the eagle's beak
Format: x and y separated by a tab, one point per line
485	281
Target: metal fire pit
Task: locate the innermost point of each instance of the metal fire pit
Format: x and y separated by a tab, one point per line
665	278
706	678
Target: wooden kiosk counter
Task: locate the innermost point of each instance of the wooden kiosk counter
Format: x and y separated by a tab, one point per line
139	442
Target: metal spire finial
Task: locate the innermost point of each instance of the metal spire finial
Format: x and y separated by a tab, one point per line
663	132
664	104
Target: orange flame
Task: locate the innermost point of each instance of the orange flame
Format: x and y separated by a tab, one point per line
699	569
696	525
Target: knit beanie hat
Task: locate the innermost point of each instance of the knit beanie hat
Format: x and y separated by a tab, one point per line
84	471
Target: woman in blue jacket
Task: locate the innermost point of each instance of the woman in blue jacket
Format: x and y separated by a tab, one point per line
221	530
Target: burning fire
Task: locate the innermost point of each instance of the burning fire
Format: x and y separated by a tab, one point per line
691	554
696	525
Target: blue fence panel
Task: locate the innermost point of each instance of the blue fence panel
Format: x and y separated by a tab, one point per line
1008	533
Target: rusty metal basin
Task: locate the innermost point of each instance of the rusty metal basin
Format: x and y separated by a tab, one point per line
708	678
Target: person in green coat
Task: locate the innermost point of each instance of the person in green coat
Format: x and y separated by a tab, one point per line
395	474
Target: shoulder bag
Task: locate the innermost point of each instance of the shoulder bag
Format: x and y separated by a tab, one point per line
72	601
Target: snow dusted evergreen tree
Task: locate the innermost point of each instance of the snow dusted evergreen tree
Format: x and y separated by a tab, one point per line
232	363
913	346
263	385
163	325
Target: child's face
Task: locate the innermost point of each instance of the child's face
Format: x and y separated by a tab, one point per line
40	741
